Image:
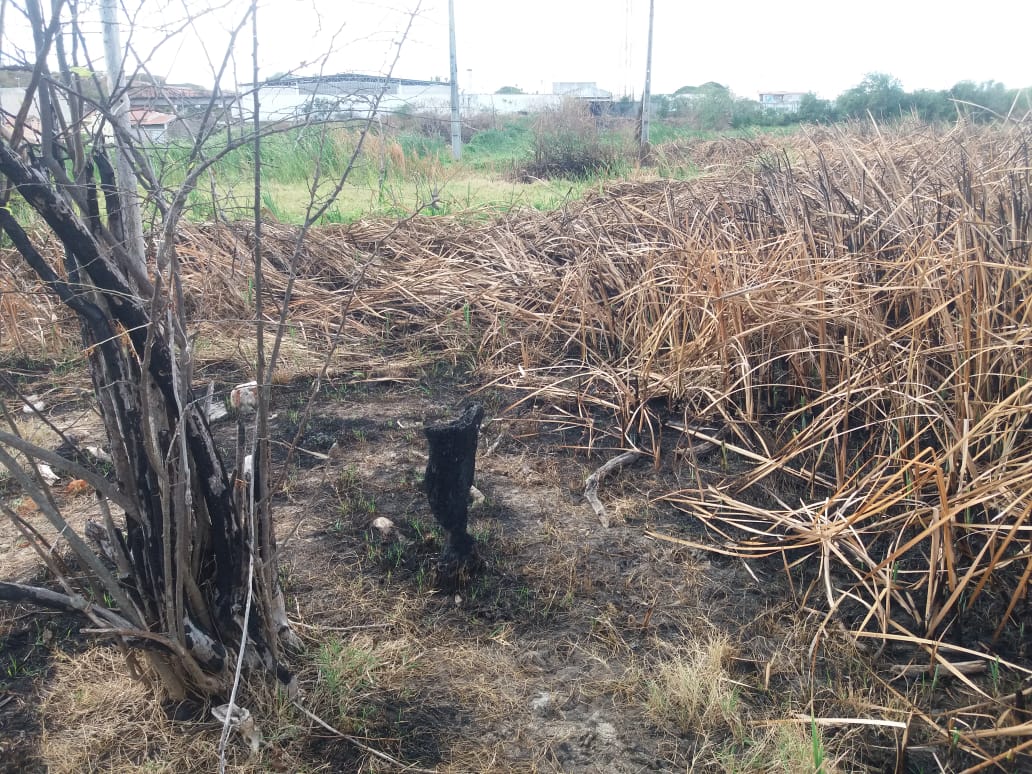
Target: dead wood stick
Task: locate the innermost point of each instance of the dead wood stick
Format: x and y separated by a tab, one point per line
591	482
362	745
916	670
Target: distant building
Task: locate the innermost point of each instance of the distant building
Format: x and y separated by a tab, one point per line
158	112
781	101
162	111
347	95
30	131
353	95
14	80
598	100
152	126
507	104
587	90
171	98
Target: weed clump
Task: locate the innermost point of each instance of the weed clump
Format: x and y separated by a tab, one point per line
693	692
568	143
693	689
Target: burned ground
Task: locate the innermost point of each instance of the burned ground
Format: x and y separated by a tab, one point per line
544	661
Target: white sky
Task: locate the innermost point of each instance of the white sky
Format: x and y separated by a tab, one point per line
749	45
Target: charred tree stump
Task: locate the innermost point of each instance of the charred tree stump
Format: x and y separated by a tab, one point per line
449	475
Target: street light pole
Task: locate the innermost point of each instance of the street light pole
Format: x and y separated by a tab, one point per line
456	125
133	223
646	97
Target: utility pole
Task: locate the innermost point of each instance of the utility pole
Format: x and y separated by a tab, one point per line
132	236
646	97
456	125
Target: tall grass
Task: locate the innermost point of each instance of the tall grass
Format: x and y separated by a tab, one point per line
401	169
851	313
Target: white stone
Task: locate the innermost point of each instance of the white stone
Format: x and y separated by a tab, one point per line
383	525
33	403
244	397
541	705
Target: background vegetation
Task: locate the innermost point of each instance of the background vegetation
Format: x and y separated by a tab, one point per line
540	161
714	107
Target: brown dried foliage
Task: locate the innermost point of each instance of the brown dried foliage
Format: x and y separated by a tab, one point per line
849	308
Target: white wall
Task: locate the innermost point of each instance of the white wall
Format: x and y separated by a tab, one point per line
287	103
11	99
503	104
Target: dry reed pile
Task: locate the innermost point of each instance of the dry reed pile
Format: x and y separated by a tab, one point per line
847	310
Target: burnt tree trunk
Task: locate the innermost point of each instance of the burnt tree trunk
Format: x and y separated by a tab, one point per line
449	475
189	535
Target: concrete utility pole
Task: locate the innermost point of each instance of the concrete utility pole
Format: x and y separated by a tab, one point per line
646	97
133	236
456	125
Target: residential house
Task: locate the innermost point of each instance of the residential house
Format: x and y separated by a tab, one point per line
781	101
152	126
169	110
598	100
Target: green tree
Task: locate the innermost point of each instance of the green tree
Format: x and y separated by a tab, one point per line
747	112
662	106
932	105
713	107
878	94
814	110
987	100
510	90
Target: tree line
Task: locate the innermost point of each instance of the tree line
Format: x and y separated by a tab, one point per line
882	96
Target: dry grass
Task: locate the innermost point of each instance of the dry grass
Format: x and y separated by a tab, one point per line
694	690
847	311
96	718
32	319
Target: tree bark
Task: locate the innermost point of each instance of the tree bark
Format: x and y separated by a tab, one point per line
187	537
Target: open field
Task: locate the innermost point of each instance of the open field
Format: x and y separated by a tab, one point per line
406	166
818	347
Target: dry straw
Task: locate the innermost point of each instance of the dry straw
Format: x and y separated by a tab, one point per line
845	309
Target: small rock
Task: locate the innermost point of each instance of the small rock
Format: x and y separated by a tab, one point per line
240	720
33	403
383	525
47	473
606	732
244	397
217	411
98	453
477	497
543	705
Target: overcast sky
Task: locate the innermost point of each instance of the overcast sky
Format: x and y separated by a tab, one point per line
749	45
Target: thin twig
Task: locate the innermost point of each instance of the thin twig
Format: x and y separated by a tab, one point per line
363	746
